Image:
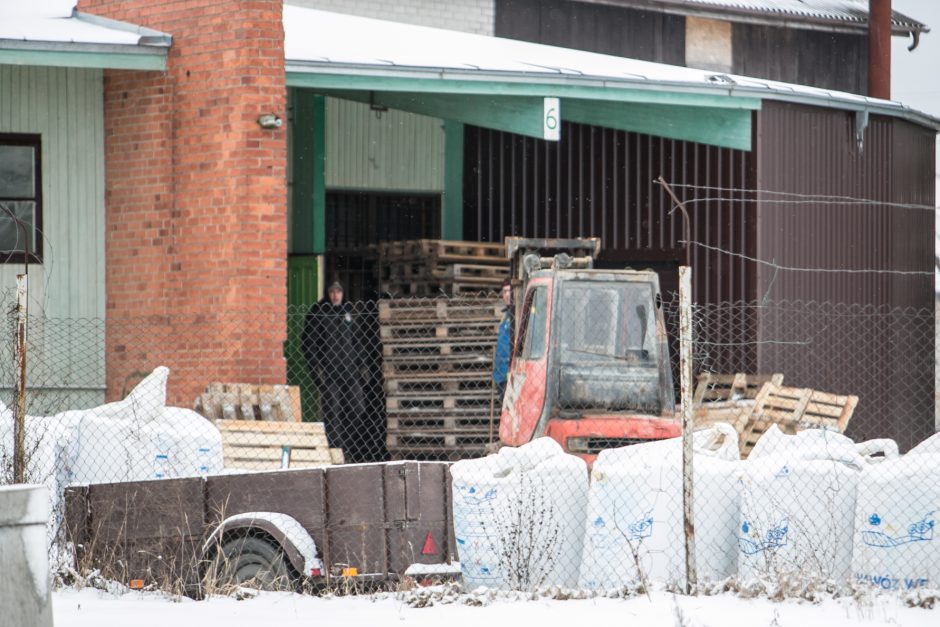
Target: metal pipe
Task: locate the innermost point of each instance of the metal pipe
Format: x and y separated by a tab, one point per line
879	49
685	378
19	416
686	226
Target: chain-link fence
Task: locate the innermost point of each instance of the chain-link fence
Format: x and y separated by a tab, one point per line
814	462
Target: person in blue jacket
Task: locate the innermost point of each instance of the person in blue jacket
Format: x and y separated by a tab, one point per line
503	351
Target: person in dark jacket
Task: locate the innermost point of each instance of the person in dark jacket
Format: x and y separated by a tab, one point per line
503	352
333	350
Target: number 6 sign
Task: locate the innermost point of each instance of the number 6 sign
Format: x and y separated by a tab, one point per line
551	120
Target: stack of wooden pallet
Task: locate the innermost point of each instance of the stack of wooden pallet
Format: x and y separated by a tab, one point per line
242	401
434	267
437	365
261	428
752	403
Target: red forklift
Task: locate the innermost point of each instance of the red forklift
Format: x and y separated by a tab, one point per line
590	365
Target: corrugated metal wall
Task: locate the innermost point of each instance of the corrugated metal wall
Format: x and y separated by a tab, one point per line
600	182
807	57
881	353
389	151
620	31
809	150
64	105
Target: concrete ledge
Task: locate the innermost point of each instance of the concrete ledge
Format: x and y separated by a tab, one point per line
24	586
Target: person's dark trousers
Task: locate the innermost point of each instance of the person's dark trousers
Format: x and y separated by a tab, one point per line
344	416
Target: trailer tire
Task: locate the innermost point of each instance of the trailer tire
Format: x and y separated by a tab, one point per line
253	561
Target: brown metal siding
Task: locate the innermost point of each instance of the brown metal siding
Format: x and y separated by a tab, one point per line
806	57
599	182
867	345
809	150
620	31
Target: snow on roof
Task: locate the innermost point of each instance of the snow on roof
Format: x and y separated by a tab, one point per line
852	13
57	22
321	42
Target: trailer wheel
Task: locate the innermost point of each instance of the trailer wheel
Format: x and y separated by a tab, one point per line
252	561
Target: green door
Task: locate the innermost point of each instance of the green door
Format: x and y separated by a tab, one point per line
302	291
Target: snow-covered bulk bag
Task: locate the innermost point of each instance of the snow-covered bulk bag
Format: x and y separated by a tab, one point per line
719	440
634	527
930	446
798	502
140	438
896	542
519	517
196	441
818	444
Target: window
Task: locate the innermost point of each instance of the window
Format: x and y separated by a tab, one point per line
20	197
532	334
601	322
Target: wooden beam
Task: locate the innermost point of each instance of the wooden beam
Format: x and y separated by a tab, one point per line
521	115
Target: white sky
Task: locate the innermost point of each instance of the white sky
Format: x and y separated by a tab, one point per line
915	76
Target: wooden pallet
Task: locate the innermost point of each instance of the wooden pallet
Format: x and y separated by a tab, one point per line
437	368
432	288
257	445
465	272
431	349
241	401
450	309
404	423
728	398
438	267
734	413
438	439
437	402
438	384
417	331
436	454
729	387
481	366
792	410
478	250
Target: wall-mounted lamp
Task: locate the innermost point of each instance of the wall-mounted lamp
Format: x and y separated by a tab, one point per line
270	120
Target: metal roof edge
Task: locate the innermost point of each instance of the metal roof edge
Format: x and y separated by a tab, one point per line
879	108
765	18
515	81
148	36
75	46
600	84
86	55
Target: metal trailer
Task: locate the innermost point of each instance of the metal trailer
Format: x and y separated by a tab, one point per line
365	522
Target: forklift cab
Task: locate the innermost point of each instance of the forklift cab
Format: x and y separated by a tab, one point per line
590	364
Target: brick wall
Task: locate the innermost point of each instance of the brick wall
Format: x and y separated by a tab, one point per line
196	197
471	16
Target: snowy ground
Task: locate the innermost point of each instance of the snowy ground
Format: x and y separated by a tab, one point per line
93	608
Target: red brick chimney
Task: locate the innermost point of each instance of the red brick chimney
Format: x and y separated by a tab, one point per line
879	49
196	198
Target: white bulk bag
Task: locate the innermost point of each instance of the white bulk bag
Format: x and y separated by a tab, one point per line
634	527
519	517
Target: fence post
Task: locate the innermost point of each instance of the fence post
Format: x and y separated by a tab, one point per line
685	391
19	415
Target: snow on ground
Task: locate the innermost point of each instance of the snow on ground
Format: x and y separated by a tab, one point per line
93	608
